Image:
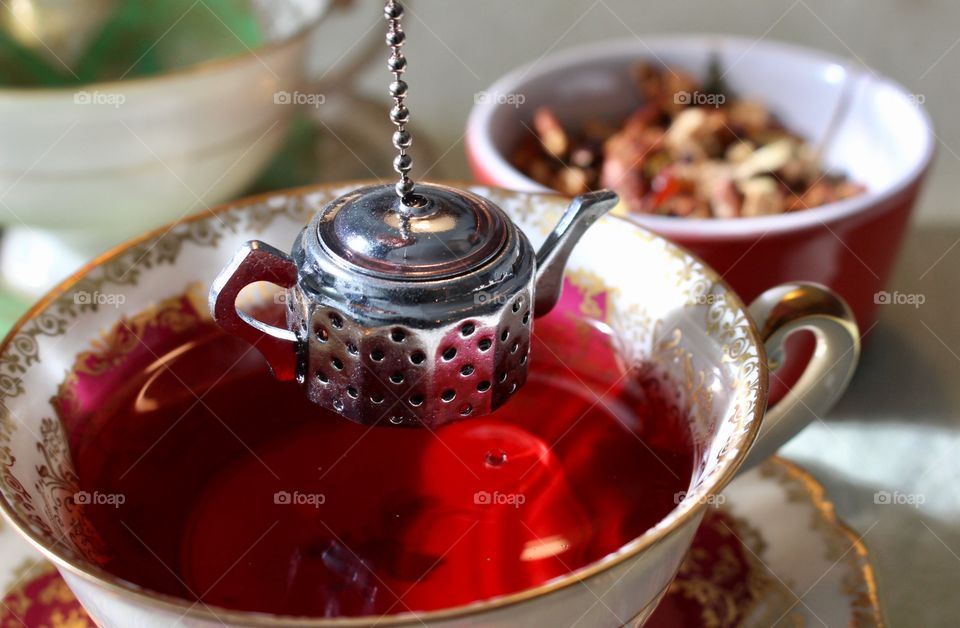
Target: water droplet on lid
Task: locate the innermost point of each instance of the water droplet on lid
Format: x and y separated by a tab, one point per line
495	458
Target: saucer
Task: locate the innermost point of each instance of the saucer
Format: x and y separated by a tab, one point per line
770	552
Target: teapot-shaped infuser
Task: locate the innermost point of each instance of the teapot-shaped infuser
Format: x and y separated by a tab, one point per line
406	304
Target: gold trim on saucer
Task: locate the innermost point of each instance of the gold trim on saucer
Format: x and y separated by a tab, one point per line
865	602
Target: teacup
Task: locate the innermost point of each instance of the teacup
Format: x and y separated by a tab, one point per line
662	305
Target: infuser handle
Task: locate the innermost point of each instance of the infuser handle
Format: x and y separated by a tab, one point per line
256	261
778	313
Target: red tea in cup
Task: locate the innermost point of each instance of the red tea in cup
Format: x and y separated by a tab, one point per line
211	481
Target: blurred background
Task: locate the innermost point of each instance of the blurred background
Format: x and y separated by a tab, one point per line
181	97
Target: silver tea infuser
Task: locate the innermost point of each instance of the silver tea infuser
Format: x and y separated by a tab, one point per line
407	304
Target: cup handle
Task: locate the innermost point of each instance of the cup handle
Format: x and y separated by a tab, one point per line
256	261
778	313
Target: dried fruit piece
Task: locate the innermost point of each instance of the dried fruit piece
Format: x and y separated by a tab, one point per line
572	181
688	150
761	197
551	132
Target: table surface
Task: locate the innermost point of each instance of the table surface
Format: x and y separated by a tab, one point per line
889	452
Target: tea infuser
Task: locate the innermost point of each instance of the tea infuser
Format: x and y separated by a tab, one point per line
407	303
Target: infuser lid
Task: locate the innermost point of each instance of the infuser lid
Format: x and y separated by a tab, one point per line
433	233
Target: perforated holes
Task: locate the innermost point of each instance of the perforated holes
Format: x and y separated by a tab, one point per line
517	305
338	405
418	357
352	392
397	378
337	363
449	353
504	335
483	386
503	377
398	335
466	409
321	333
336	321
515	347
468	329
467	370
377	398
322	377
448	395
377	355
526	318
352	349
416	401
485	344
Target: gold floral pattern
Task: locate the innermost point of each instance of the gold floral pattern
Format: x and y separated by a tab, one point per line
58	486
41	599
592	289
113	346
721	579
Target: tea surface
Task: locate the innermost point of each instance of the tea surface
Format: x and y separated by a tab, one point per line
238	491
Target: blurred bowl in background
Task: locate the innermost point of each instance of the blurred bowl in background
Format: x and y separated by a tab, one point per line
85	167
882	138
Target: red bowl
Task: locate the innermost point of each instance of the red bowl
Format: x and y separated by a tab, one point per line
883	138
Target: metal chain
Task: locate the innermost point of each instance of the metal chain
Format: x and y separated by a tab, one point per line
399	115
